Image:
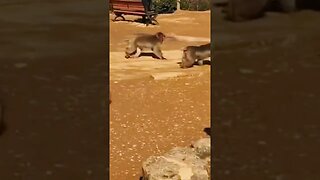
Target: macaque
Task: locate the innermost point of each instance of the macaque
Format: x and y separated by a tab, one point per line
193	54
143	42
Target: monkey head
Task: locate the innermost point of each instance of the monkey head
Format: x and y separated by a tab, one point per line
160	36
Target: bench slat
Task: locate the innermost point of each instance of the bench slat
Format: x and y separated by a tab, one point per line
130	12
129	8
128	3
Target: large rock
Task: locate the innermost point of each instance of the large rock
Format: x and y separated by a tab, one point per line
202	148
180	163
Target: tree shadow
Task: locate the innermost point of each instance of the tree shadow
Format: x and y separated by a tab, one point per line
143	21
138	20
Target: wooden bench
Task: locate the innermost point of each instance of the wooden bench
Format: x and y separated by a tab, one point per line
132	7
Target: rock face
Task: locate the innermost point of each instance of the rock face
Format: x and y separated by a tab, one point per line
180	163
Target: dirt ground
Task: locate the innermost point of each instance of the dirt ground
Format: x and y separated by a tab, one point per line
155	104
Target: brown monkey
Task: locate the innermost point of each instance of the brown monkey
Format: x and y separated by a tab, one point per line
142	42
192	54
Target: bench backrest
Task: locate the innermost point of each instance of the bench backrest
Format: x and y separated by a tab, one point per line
127	5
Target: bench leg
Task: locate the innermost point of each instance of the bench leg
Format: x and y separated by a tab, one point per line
156	22
149	20
152	19
117	16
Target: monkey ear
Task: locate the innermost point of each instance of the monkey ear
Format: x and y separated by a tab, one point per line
158	35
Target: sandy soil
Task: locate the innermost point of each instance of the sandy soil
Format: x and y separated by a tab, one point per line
155	104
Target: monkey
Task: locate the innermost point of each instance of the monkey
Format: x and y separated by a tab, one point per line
192	54
142	42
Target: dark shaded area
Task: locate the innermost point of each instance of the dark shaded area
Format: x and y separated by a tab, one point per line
53	82
300	5
149	55
205	62
308	4
144	21
3	125
139	20
241	10
266	97
207	131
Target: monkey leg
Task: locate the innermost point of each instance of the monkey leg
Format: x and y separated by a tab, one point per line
153	19
137	54
129	54
201	62
158	53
